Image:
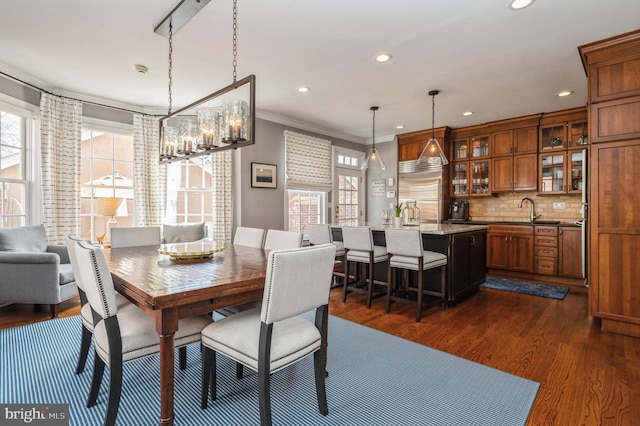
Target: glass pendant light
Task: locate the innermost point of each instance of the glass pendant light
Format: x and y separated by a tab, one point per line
432	152
373	160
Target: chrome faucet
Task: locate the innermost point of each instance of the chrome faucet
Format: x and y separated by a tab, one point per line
532	214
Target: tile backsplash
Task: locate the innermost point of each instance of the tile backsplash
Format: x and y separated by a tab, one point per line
504	207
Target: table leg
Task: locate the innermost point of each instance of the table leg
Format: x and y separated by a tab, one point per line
166	325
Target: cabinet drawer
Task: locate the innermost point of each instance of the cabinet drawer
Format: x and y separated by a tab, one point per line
551	231
511	229
543	251
546	241
545	265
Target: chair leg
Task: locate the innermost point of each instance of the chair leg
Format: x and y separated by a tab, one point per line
370	281
182	355
345	279
96	380
239	370
208	377
115	391
54	310
390	284
321	391
85	344
420	289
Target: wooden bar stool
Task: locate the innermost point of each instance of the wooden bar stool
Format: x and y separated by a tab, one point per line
321	234
404	250
359	248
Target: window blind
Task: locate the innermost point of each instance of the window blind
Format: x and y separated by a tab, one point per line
307	162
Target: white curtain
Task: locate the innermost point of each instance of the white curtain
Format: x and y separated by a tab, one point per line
307	162
60	133
222	197
149	175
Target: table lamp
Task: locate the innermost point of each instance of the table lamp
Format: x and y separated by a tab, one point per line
111	207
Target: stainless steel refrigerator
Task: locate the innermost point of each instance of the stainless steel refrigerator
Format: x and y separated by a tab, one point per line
422	184
584	210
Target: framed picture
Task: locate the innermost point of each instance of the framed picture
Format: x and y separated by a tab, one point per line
264	175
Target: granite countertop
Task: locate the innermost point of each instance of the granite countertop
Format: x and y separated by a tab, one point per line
514	222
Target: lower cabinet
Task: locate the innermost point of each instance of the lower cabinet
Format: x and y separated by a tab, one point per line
510	247
545	256
570	258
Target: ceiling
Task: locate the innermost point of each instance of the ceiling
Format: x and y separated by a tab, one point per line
482	56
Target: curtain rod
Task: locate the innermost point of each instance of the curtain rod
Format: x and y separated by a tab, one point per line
68	97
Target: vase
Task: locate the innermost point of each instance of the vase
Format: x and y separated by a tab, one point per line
397	221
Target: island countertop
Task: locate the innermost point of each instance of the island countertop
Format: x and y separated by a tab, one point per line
432	228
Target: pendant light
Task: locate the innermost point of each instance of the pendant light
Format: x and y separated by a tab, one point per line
432	152
373	160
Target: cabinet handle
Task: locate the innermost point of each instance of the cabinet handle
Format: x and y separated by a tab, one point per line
473	240
506	238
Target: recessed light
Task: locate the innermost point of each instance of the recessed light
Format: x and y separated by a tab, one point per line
400	126
564	93
383	57
519	4
467	113
303	89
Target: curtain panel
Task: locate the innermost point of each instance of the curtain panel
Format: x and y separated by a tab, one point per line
222	197
60	145
307	162
149	175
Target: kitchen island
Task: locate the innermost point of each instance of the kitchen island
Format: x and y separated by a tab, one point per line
464	246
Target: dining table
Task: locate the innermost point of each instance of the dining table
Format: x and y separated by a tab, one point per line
170	282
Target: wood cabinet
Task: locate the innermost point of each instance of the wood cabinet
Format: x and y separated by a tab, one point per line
523	140
510	247
570	256
410	145
514	173
545	256
613	71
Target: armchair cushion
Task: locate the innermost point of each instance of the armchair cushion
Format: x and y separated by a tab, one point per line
183	233
23	239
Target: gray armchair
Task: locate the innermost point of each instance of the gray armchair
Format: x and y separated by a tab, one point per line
31	271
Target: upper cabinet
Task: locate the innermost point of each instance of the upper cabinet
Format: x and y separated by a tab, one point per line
410	145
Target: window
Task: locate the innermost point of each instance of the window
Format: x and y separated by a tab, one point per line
304	208
190	191
346	160
107	196
16	130
347	187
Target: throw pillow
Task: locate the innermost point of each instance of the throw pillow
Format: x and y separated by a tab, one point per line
23	239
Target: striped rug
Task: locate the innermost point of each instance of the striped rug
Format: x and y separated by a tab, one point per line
374	379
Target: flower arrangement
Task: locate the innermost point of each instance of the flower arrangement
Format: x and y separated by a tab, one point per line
398	209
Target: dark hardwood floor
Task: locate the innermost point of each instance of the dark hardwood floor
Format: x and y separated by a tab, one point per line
586	377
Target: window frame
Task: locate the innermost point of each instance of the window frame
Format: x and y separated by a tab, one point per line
171	210
322	208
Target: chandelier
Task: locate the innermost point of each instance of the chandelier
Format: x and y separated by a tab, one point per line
373	159
216	122
432	152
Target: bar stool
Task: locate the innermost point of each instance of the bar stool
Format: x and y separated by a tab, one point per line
359	248
405	251
321	234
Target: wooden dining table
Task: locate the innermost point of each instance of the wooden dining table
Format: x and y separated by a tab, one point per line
172	288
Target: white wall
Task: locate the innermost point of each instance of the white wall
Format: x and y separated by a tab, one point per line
377	203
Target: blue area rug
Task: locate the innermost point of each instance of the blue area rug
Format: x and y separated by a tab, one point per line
542	290
374	379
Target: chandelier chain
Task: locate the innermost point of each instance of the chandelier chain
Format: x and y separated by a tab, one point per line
170	63
433	116
235	39
374	128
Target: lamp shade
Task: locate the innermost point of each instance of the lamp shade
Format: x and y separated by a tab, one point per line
112	207
432	153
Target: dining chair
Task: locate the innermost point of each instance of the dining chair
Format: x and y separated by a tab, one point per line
85	308
321	234
360	249
405	252
183	233
274	337
277	239
250	237
135	236
120	335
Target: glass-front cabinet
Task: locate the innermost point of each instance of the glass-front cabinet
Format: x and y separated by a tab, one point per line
575	177
552	168
460	149
480	178
480	146
553	137
577	134
460	179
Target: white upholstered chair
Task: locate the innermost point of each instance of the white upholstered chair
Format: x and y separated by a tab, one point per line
321	234
135	236
405	251
120	335
276	239
86	314
271	338
250	237
183	233
359	248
